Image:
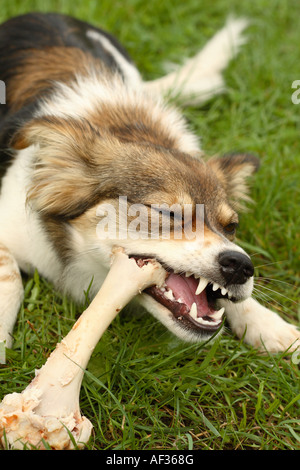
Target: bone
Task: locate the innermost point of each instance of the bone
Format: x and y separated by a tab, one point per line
48	409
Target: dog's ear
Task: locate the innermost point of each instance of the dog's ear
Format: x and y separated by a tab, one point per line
64	174
43	131
233	171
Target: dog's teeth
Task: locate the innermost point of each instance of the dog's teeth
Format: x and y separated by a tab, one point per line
188	274
224	291
217	316
196	277
215	286
169	295
193	311
230	295
201	286
204	322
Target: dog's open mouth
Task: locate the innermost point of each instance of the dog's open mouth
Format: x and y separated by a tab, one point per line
191	299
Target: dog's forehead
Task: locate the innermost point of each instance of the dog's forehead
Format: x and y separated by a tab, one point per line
178	178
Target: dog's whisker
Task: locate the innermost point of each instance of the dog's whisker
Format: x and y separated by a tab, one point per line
273	280
266	298
269	264
254	254
260	295
278	293
264	294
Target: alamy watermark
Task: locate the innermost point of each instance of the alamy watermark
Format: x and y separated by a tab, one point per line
296	95
2	92
296	357
124	220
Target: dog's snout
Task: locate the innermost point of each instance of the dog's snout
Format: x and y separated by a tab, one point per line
236	268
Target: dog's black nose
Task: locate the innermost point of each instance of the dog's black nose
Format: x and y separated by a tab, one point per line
235	267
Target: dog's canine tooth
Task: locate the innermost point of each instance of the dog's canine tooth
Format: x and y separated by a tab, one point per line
201	286
193	311
215	286
169	294
224	291
217	316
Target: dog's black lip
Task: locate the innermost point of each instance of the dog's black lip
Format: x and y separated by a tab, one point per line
191	324
160	261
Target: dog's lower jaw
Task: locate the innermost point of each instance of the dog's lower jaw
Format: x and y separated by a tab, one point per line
166	317
182	327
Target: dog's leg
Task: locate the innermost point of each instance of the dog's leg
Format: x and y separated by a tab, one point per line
200	77
11	294
262	328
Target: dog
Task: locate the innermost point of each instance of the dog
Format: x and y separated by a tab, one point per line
81	129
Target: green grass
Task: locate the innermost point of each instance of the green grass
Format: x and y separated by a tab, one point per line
144	389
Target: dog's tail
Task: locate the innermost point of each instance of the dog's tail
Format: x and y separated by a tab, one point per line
200	77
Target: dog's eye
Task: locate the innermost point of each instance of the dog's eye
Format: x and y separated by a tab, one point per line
230	229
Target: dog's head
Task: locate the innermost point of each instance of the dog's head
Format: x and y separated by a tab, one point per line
80	178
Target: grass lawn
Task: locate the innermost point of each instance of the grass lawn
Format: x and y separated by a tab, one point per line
144	389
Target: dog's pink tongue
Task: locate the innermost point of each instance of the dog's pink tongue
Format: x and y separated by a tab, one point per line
184	288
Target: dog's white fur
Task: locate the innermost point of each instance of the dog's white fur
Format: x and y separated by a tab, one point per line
24	245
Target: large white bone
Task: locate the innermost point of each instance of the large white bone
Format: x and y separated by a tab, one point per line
48	409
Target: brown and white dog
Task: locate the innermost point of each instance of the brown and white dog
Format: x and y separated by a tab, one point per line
79	130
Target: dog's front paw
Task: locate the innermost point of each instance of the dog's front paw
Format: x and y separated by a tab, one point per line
261	328
274	334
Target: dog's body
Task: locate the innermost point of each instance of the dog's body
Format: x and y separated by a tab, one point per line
85	129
